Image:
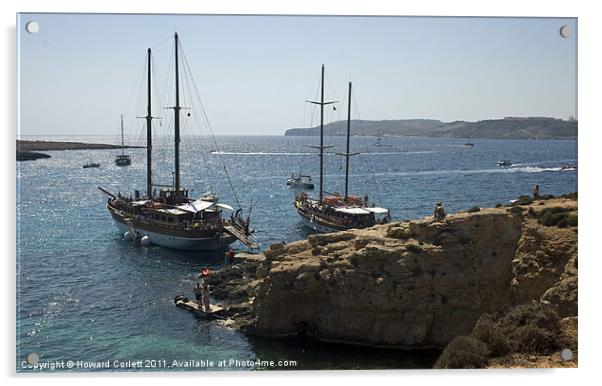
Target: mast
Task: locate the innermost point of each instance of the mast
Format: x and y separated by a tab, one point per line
122	150
177	123
322	136
321	147
149	133
347	152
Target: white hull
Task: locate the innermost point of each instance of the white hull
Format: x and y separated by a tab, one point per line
176	242
316	227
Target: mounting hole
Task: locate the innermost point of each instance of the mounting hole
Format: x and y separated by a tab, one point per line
565	31
32	358
32	27
566	355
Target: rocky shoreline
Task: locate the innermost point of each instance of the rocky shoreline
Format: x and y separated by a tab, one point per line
411	285
30	155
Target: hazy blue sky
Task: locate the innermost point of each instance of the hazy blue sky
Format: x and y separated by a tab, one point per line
254	72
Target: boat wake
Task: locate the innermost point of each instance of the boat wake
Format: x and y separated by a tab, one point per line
257	153
520	169
537	169
402	152
266	153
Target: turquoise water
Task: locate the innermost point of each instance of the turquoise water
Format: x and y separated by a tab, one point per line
86	294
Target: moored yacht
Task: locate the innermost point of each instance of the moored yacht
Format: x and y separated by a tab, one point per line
170	217
337	212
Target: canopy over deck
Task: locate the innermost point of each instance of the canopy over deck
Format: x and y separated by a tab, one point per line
377	210
352	210
196	206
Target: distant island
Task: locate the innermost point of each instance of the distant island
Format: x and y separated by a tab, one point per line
28	150
506	128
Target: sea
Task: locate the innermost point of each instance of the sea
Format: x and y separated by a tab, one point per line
89	299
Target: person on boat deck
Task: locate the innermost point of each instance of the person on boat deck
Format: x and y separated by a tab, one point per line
536	192
198	293
366	198
439	213
206	295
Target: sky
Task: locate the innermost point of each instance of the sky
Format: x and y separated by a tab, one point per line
254	73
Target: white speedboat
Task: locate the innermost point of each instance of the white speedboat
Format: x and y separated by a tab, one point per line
300	182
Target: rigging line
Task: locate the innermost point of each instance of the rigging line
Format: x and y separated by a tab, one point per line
163	102
309	111
370	166
168	39
314	118
198	124
186	124
188	96
331	91
315	86
313	115
157	98
211	131
140	72
130	111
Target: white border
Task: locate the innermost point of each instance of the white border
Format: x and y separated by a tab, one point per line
590	126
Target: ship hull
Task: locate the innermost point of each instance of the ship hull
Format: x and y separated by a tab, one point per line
315	225
178	242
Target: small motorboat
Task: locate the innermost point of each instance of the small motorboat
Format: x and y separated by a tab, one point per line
300	182
210	197
91	165
569	167
504	162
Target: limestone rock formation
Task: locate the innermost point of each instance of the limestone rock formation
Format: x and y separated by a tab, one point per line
415	284
411	284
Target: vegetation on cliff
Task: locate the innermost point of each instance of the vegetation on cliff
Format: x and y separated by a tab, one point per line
531	330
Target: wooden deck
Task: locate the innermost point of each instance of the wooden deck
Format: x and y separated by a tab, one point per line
192	306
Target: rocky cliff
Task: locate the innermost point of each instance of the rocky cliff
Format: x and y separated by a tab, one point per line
510	127
411	284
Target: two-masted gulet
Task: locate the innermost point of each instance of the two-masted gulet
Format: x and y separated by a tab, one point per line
169	217
337	212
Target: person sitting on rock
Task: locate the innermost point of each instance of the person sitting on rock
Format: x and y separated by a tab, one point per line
439	213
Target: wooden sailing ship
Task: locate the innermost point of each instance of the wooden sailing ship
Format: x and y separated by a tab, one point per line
337	212
169	217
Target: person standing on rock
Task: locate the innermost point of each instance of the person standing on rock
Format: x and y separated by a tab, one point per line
230	256
206	294
439	212
198	293
536	192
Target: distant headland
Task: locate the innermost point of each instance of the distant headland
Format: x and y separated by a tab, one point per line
506	128
29	150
